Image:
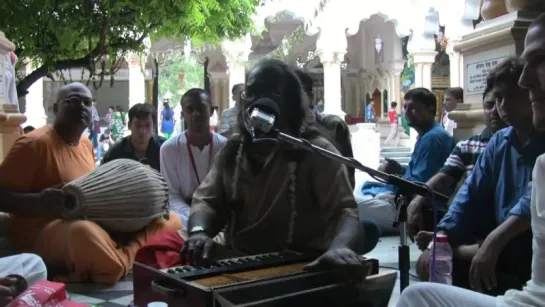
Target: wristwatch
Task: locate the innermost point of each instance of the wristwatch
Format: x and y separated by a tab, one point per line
196	229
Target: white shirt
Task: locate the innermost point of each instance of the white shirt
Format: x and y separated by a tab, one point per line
177	169
449	124
533	294
228	120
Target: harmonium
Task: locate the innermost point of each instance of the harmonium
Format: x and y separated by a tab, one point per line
274	279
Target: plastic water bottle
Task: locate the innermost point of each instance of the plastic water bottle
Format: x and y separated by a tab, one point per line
443	261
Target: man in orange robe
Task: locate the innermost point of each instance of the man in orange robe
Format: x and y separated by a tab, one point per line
30	177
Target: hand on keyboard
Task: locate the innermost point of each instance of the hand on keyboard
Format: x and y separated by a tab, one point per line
197	249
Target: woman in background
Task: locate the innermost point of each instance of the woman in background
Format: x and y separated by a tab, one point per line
118	123
167	121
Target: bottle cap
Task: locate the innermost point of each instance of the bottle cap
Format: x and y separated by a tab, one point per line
441	238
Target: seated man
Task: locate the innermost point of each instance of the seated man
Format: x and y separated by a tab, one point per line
34	168
143	144
488	221
331	126
229	117
270	195
431	150
104	143
533	294
187	158
459	164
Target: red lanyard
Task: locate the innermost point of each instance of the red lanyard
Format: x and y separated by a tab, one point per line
192	160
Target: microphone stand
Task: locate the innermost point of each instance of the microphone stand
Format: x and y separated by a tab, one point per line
406	190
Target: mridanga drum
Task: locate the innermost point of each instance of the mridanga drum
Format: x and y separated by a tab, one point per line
121	196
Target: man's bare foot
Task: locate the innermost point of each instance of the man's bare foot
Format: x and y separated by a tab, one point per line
423	239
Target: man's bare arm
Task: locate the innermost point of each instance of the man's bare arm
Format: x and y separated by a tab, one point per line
506	231
350	235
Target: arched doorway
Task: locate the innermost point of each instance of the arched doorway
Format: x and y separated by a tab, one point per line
377	98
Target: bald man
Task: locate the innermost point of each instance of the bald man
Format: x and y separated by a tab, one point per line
34	168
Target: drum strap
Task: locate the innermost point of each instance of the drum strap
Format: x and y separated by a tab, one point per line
192	159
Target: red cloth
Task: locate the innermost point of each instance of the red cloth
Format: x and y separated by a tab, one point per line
162	250
392	114
45	293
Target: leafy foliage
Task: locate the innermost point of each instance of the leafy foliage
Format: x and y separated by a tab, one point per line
170	81
63	34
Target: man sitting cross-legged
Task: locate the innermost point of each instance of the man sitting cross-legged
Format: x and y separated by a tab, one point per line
460	163
533	294
434	144
488	221
34	168
271	195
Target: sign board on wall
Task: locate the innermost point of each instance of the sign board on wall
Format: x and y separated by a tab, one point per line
477	73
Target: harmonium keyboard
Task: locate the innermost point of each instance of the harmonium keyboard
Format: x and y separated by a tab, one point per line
274	279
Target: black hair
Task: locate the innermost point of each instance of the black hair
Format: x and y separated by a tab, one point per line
424	96
507	71
111	107
28	129
306	80
141	111
195	94
239	86
489	87
539	21
456	93
296	108
168	114
393	104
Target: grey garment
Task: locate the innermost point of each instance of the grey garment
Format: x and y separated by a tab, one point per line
427	294
31	267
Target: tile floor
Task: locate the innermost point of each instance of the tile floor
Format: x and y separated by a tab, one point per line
121	293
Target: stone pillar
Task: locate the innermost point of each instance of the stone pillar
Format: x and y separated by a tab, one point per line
218	94
236	55
456	68
34	102
332	82
423	61
137	79
366	147
10	118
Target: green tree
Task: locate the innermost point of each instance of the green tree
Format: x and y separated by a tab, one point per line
65	34
169	77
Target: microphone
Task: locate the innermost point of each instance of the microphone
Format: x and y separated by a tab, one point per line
263	115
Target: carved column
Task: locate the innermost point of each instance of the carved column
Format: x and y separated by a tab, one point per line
236	55
34	102
137	79
423	61
10	118
219	98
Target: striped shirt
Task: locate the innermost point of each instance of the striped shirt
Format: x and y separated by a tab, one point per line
228	120
465	155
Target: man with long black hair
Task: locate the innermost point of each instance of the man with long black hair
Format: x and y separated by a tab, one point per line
271	195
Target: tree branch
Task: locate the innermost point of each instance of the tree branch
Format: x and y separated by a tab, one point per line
44	70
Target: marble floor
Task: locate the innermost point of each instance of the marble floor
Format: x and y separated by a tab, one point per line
121	293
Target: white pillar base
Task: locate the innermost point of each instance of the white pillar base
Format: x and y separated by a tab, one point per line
366	147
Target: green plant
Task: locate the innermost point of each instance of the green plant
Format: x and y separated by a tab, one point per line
169	80
97	34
